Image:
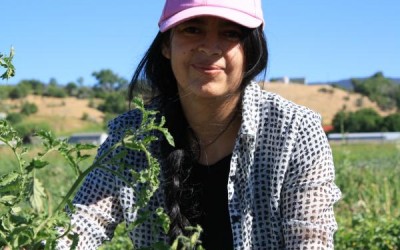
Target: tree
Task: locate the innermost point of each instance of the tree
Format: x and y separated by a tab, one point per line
37	86
54	90
363	120
379	89
20	91
391	122
114	103
72	89
108	80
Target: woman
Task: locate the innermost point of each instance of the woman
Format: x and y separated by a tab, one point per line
253	169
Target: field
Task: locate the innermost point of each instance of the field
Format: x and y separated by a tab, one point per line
368	175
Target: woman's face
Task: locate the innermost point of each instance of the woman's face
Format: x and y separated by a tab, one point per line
207	57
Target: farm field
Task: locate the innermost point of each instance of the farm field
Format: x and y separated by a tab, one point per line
368	215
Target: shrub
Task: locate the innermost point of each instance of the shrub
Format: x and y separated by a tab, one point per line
28	129
55	91
19	91
391	122
5	91
379	89
363	120
14	118
369	233
85	116
28	108
114	103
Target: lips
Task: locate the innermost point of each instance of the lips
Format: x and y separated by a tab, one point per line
207	68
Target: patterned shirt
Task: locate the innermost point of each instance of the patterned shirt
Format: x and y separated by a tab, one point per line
281	187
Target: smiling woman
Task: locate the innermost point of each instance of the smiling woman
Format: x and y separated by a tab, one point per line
207	57
254	170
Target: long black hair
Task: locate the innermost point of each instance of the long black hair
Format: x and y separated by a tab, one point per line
155	72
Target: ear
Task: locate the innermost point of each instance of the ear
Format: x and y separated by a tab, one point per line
166	51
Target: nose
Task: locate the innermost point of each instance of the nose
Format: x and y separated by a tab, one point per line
210	45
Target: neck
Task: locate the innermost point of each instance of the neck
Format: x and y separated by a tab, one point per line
215	123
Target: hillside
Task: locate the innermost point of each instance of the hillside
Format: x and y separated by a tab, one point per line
323	99
64	115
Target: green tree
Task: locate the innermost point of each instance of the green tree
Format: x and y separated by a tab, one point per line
391	122
114	103
84	92
36	86
363	120
20	91
379	89
72	89
108	80
53	89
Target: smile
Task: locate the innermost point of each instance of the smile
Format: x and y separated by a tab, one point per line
207	69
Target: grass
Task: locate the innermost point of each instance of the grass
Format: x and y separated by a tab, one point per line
57	177
369	177
369	213
65	126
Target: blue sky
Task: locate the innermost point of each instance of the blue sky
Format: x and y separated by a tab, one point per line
320	40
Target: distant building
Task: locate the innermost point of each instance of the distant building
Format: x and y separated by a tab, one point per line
365	137
287	80
88	138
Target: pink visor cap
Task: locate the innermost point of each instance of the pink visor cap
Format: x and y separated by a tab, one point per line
247	13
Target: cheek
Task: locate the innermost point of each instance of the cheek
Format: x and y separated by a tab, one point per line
237	60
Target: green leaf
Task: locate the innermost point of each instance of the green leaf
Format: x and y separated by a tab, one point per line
148	139
85	146
10	183
22	237
37	195
49	141
7	179
164	219
8	199
36	163
168	136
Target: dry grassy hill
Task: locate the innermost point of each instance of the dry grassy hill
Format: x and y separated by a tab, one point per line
323	99
64	115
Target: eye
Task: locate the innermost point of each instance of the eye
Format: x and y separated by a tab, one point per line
234	35
191	30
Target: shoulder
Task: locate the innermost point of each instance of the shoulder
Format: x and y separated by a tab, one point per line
275	107
280	105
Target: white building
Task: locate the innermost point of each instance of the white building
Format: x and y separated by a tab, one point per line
88	138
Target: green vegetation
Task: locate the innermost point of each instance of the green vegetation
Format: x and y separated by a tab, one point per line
6	63
28	108
29	216
365	120
369	213
379	89
368	175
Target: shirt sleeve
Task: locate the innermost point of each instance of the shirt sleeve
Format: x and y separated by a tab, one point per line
97	210
309	192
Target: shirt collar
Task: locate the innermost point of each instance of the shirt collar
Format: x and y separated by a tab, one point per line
251	109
